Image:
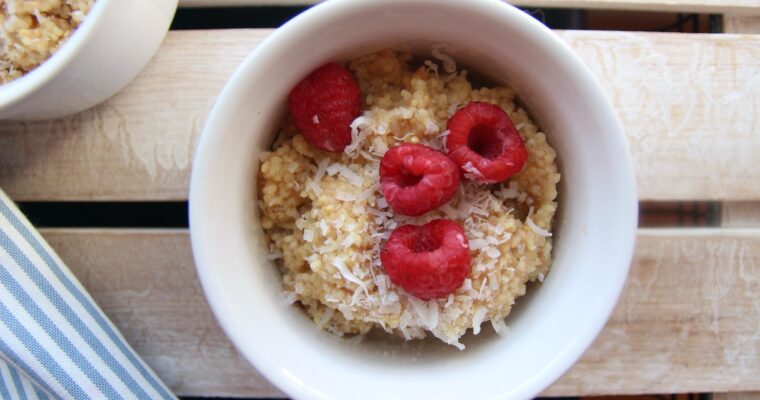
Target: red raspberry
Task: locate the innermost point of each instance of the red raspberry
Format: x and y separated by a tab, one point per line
484	136
323	106
416	179
429	261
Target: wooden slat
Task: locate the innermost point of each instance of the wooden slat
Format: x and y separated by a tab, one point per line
687	102
741	214
737	24
700	6
737	396
688	320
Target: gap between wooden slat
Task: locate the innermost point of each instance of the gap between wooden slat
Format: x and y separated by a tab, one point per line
701	6
687	103
687	320
740	214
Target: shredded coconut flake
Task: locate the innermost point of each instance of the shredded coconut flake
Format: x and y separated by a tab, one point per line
500	327
347	275
321	169
511	191
427	312
323	227
326	317
289	297
310	184
493	252
433	66
449	65
364	195
541	276
359	133
461	240
333	169
379	146
449	301
346	311
274	256
535	228
308	235
430	127
472	172
343	196
348	241
467	286
477	244
477	319
482	288
351	176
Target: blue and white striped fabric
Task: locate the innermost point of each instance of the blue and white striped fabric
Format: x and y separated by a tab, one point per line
54	340
14	385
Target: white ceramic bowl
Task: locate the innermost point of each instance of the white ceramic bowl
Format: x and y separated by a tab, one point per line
551	326
113	43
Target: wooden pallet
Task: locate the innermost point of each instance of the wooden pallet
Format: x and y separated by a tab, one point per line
688	321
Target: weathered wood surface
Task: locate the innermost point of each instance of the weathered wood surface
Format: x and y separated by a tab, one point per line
688	104
740	24
743	214
702	6
688	320
737	396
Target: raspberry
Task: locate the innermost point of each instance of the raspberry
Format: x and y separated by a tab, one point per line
483	141
323	106
429	261
416	179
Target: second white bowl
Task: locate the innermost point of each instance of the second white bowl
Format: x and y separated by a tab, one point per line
110	47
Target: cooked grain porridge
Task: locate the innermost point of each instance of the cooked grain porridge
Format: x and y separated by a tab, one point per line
326	218
32	30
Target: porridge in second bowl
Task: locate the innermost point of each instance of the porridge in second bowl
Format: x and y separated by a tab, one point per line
31	31
328	222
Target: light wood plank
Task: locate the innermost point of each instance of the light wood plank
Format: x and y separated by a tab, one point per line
687	102
739	24
737	396
700	6
139	144
688	320
741	214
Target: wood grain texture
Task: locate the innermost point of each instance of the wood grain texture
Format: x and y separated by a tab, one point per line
702	6
741	24
743	213
688	320
737	396
740	214
139	144
686	102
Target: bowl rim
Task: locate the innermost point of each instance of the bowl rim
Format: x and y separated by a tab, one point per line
211	282
25	85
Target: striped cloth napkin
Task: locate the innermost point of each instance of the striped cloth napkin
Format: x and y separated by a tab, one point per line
55	342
